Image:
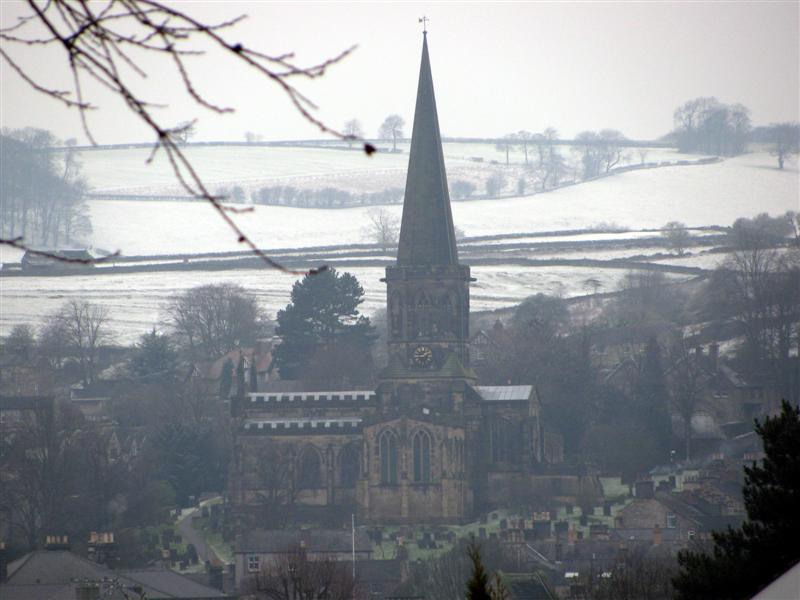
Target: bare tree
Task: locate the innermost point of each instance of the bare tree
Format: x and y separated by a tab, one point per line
638	575
686	379
505	144
40	469
84	327
462	189
353	131
212	319
525	138
495	184
185	131
276	490
111	43
611	148
785	141
383	228
294	576
392	129
677	236
708	125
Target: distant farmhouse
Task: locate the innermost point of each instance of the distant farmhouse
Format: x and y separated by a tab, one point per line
71	259
429	444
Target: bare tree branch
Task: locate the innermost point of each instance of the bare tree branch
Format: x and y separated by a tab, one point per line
96	45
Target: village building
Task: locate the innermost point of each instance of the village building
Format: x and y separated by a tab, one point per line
58	573
429	444
257	550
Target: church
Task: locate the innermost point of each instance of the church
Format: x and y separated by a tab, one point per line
429	445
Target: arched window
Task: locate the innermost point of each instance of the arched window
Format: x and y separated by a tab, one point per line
421	445
388	451
348	466
310	469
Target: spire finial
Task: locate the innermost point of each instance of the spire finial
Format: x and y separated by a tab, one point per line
424	20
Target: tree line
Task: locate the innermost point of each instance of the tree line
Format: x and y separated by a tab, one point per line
42	192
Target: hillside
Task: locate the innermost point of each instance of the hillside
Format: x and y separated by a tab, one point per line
714	194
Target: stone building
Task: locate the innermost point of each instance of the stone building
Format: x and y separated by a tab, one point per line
429	444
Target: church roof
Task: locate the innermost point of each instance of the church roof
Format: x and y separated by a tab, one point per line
427	236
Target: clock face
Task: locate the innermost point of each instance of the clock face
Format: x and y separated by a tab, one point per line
423	356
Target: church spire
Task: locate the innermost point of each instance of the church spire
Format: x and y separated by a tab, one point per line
426	234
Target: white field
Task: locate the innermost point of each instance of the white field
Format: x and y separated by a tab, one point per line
136	301
713	194
126	171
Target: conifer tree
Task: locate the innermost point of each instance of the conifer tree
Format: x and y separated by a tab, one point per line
747	559
254	372
478	584
226	379
322	316
240	389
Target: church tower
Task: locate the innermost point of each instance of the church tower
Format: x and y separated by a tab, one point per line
427	288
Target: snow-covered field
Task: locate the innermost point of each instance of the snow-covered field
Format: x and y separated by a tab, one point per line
714	194
136	301
124	171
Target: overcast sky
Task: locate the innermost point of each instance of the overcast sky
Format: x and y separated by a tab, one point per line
497	67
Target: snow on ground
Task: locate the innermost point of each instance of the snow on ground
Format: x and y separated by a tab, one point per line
136	302
714	194
125	171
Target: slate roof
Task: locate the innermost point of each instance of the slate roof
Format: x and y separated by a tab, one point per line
505	393
54	575
427	236
273	541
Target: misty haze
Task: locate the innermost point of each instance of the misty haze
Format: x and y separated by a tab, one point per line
340	301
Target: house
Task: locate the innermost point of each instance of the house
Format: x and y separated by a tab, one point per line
71	259
56	573
681	512
258	548
256	361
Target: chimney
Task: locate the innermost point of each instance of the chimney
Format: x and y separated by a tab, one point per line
644	489
56	542
713	355
101	548
3	563
657	536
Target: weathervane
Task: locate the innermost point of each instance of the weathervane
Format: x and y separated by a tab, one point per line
424	21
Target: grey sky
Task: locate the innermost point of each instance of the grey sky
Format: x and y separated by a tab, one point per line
497	67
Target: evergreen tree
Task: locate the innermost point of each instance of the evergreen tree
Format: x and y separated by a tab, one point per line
154	356
478	584
322	317
652	399
226	379
747	559
240	389
254	372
